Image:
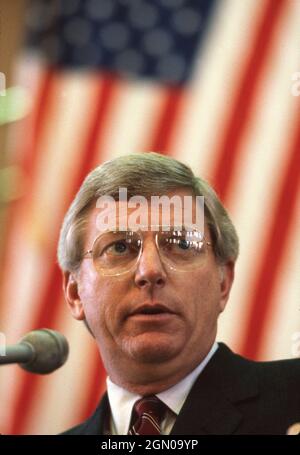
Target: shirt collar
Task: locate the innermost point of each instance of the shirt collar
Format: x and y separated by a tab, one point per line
121	401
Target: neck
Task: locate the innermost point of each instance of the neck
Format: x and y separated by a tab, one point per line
149	379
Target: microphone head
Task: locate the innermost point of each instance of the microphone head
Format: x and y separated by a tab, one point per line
50	349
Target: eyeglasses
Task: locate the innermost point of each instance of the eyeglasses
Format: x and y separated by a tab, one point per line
117	252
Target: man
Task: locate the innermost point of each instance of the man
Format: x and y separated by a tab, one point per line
151	293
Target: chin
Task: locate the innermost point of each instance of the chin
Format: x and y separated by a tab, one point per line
152	351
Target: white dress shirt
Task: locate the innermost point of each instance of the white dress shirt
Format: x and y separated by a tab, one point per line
121	401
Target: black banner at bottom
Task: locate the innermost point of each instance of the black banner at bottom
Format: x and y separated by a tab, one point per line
104	445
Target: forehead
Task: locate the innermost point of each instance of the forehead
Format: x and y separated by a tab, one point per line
175	208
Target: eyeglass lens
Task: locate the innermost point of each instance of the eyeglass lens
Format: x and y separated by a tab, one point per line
117	252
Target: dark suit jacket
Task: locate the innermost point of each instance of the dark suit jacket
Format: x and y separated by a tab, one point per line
232	395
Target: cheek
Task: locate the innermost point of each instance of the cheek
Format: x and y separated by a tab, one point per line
204	293
101	300
90	294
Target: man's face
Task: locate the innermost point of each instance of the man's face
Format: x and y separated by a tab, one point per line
152	318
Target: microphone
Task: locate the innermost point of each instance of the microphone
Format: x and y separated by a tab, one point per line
40	351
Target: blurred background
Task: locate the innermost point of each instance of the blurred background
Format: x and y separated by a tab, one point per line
210	82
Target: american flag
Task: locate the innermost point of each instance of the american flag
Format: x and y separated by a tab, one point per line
209	82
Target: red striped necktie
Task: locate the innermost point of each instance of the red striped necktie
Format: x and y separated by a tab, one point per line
148	413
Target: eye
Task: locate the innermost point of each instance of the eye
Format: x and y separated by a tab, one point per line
180	242
119	247
123	247
183	244
175	242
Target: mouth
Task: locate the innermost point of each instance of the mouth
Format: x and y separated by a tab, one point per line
152	312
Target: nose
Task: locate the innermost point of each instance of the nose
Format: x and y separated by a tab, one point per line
150	272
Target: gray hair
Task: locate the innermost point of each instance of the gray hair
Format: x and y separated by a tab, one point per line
144	174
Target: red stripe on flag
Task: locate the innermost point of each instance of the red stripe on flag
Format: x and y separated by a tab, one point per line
30	156
166	120
50	300
228	151
269	267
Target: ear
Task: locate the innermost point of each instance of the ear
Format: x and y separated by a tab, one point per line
226	280
70	288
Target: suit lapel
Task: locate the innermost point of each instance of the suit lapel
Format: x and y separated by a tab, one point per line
211	406
99	421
